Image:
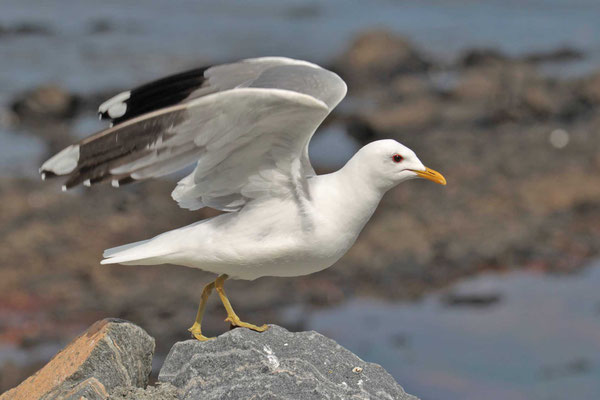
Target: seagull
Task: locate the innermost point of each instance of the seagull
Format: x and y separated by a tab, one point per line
247	126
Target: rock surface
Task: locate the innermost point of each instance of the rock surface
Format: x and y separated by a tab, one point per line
46	102
163	391
113	359
109	354
276	364
378	55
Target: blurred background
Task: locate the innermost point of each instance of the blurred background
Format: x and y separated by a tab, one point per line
485	288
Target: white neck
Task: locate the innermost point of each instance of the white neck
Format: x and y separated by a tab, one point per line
346	197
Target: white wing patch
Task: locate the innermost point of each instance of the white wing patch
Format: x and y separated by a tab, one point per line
62	163
115	107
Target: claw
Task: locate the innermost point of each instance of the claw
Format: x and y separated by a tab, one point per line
201	337
234	320
197	332
231	315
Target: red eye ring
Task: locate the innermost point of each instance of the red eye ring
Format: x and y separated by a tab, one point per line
397	158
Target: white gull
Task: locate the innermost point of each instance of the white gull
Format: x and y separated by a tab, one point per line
247	126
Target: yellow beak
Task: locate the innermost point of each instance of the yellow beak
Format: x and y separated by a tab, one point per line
431	175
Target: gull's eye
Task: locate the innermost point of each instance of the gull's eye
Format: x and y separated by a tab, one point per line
397	158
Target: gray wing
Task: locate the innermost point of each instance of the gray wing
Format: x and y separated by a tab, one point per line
189	85
247	126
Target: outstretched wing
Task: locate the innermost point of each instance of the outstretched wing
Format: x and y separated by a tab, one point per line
189	85
247	125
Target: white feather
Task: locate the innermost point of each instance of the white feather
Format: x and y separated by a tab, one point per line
64	162
118	99
117	110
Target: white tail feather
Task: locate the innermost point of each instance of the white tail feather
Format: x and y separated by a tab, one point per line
114	250
138	253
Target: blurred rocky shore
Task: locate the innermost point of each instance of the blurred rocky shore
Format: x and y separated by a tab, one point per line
520	150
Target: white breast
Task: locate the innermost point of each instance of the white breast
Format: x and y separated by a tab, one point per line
281	237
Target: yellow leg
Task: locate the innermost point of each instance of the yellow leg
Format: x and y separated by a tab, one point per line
231	315
196	329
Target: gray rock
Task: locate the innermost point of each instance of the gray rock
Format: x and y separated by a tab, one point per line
88	389
163	391
276	364
109	354
378	56
46	102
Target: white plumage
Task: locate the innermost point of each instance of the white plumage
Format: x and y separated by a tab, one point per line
248	126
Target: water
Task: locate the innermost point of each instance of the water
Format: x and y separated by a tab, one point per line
541	340
146	40
332	147
109	45
36	354
20	154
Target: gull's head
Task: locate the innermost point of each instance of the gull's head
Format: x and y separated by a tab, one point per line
387	163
